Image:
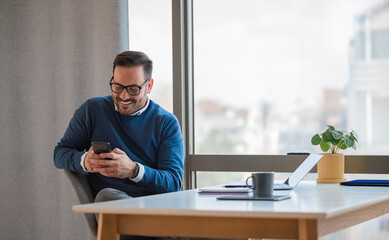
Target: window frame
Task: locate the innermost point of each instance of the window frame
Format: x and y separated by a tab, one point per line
183	108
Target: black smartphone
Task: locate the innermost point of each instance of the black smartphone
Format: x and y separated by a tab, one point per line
101	147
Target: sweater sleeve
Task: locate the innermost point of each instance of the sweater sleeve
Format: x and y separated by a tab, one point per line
170	164
68	152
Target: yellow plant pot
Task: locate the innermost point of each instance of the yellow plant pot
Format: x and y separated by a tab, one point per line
330	169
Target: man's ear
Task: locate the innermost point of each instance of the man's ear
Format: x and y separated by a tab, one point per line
150	85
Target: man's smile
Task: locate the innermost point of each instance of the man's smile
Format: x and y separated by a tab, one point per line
126	103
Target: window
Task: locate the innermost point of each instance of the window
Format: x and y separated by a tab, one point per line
150	31
268	75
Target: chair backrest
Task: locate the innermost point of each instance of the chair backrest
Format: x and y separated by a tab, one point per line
83	190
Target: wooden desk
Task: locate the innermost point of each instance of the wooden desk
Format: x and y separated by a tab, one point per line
314	210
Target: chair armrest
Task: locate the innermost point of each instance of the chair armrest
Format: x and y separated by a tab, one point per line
81	185
83	190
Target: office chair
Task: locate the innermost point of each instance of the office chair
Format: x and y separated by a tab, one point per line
83	190
81	185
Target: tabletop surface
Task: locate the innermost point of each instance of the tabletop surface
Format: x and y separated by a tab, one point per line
308	200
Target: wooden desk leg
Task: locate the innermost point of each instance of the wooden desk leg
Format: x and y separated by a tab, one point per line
107	229
308	229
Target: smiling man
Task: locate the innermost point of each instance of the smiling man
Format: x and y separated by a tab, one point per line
148	150
129	101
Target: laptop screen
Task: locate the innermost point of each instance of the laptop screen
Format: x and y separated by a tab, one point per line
303	169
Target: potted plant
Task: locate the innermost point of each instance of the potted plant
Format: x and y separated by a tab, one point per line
330	169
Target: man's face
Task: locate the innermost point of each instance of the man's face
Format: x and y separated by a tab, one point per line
126	103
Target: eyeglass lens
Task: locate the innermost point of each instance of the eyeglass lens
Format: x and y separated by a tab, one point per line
119	89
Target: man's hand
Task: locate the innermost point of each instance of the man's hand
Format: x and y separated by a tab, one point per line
120	165
89	161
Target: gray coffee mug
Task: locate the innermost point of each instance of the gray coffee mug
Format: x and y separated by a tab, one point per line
262	184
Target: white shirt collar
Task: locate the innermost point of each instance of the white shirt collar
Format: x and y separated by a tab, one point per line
140	111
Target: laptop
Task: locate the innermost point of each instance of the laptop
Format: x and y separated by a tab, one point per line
296	176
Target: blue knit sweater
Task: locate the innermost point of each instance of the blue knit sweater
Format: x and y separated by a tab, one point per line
152	138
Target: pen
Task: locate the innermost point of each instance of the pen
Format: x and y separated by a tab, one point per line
237	186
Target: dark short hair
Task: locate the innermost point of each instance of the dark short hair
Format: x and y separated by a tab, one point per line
133	59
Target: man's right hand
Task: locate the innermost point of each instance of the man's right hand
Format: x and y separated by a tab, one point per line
91	155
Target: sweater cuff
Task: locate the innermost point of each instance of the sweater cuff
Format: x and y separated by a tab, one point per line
82	161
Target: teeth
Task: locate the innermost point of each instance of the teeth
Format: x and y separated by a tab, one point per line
126	102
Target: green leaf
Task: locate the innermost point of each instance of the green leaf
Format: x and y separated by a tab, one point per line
337	134
324	146
327	135
331	127
316	139
335	141
349	140
342	145
355	135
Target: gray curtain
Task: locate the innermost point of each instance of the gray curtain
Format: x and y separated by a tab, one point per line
53	56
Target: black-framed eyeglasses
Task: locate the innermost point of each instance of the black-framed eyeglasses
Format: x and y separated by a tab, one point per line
133	90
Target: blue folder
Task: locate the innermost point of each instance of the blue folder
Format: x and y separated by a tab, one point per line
367	182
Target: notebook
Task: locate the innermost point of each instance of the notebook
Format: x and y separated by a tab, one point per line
367	182
296	176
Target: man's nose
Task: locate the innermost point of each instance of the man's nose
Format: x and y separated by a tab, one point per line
124	94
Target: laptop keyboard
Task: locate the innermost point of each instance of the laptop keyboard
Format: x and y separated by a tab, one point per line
280	186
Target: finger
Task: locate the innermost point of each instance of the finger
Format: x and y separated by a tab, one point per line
105	170
102	162
94	158
94	165
120	154
110	155
118	151
87	159
92	155
91	148
90	152
95	155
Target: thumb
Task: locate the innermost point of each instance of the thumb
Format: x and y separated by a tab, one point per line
118	151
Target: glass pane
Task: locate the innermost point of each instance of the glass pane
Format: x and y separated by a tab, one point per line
269	75
150	31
